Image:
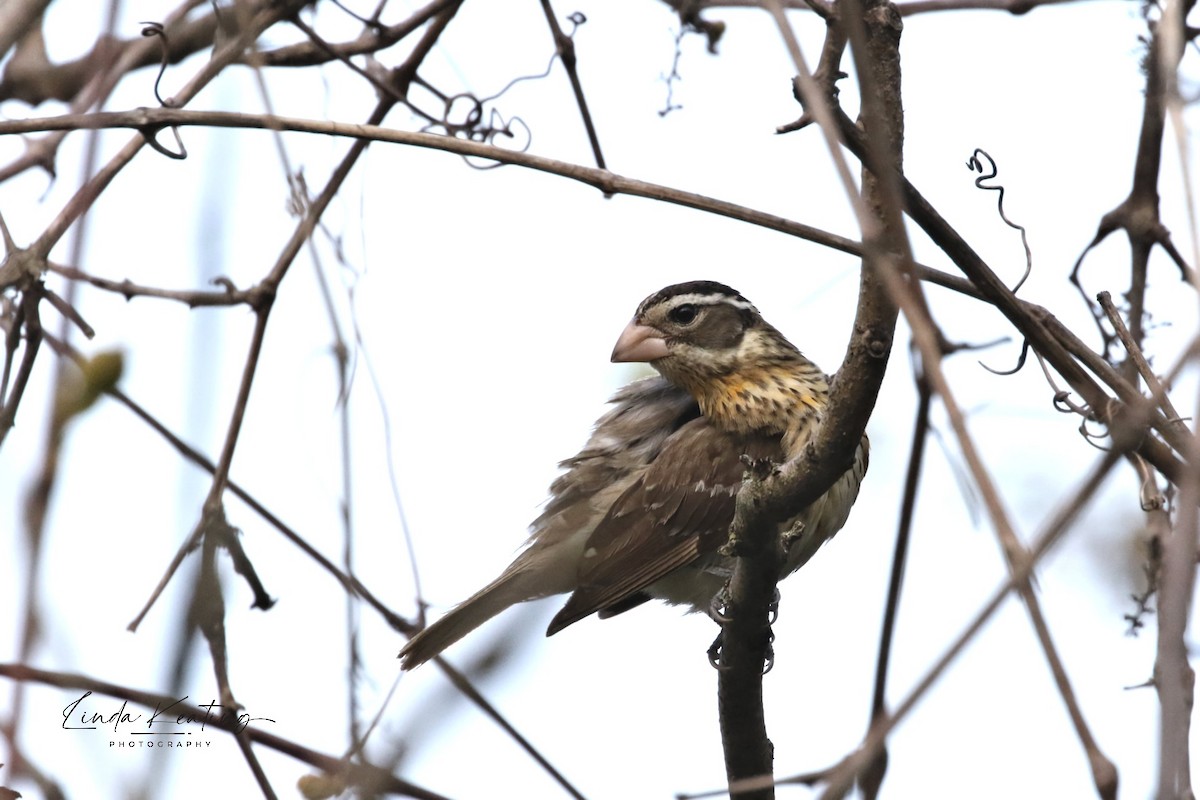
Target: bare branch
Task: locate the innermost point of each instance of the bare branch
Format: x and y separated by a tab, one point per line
565	47
872	777
358	773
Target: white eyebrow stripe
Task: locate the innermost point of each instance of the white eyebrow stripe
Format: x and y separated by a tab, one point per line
698	299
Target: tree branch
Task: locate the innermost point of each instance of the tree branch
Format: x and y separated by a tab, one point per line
763	504
358	773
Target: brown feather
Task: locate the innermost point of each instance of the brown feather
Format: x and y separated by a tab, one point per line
626	439
677	512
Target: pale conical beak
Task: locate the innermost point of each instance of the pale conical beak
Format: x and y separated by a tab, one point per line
639	343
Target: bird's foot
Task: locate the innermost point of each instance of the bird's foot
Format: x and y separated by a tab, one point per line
714	652
760	468
718	607
719	612
769	652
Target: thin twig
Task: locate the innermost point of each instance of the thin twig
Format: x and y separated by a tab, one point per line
906	8
83	199
1049	335
229	296
1019	576
565	46
1133	348
908	295
1104	773
349	582
1046	334
469	691
607	182
93	86
1174	677
872	778
842	777
359	773
374	39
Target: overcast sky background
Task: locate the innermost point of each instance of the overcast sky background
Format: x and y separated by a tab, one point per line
488	303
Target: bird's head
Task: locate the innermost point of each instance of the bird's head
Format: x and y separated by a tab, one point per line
697	332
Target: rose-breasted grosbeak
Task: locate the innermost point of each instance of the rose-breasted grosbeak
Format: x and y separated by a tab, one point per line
641	511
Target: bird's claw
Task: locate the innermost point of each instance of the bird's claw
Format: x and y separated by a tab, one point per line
714	651
718	607
759	468
718	611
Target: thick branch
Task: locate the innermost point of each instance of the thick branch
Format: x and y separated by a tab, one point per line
765	504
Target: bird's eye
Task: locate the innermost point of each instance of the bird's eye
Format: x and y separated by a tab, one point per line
684	314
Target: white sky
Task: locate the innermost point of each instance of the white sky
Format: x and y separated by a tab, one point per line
488	303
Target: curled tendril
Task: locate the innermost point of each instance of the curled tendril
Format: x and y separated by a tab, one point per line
1093	438
1020	362
469	124
463	114
1062	399
522	78
1149	494
1064	404
467	116
975	164
156	29
470	121
502	127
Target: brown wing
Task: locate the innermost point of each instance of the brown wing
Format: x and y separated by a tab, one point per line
679	510
625	440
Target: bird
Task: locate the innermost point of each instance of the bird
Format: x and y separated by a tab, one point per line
643	509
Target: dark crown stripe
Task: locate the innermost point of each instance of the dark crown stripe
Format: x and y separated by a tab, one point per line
718	291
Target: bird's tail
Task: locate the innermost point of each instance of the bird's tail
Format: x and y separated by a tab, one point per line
507	590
